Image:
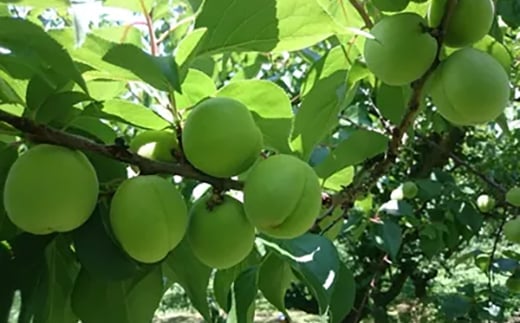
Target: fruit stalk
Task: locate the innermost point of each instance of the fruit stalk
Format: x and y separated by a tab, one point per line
44	134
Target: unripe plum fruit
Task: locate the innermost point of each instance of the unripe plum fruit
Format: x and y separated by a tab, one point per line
148	217
410	190
485	203
513	196
469	22
512	230
220	137
282	196
402	50
50	189
470	87
155	144
220	235
390	5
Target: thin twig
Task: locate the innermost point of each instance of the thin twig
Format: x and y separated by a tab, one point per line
44	134
149	23
362	12
498	235
181	22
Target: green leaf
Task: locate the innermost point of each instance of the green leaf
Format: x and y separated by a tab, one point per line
260	25
315	260
333	61
7	93
195	87
8	155
359	146
158	71
243	297
130	113
105	89
470	217
49	54
390	235
274	280
107	169
319	112
98	253
224	278
186	270
59	105
392	101
343	13
130	301
344	294
271	109
339	179
53	294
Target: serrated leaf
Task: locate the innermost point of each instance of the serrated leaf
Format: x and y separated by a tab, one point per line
344	294
186	270
59	105
392	101
195	87
130	301
7	93
359	146
274	279
243	297
258	25
318	114
316	261
50	54
158	71
105	89
131	113
271	109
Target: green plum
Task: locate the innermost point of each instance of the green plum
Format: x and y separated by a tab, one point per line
390	5
470	87
148	217
402	50
470	21
220	137
50	189
513	196
282	196
155	144
220	235
485	203
512	230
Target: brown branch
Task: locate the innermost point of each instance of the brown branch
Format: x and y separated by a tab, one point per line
43	134
362	12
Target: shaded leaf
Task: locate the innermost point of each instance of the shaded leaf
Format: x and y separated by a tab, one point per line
344	294
8	155
243	297
186	270
130	113
274	279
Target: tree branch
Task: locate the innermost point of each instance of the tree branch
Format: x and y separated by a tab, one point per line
363	13
45	134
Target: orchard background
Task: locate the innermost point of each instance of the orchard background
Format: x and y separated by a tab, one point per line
414	206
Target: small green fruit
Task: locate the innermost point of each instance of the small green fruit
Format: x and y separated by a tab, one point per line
148	217
333	232
402	50
485	203
513	196
410	190
390	5
50	189
512	230
220	236
221	138
470	21
470	87
496	49
155	144
282	196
